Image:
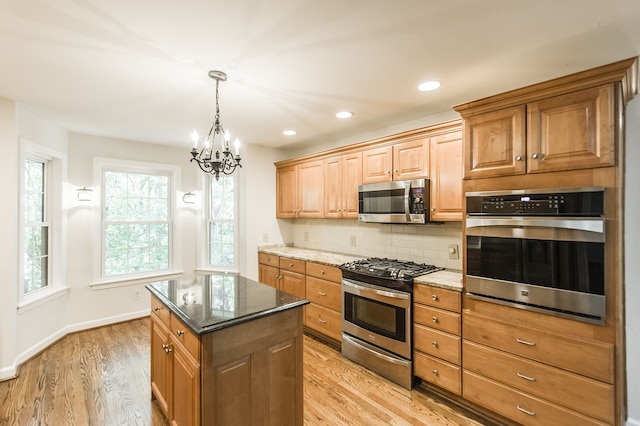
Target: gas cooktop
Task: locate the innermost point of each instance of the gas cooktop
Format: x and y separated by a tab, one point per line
385	272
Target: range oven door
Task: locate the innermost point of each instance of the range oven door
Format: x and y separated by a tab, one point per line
538	262
377	315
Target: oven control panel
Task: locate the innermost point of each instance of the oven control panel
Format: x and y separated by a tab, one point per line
537	203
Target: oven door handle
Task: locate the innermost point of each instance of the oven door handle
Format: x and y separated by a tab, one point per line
373	292
372	352
547	228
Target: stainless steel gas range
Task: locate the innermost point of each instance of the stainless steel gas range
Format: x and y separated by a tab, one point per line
377	317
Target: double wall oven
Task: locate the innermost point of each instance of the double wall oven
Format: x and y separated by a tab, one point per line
541	250
377	315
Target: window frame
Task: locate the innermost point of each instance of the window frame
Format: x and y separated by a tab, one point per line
55	215
207	220
130	166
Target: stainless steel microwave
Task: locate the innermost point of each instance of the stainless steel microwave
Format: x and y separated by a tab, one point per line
405	201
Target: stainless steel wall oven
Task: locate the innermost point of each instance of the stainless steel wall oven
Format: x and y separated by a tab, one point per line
538	249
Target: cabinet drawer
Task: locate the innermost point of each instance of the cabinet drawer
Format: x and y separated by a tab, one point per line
329	273
438	372
437	297
160	310
324	293
518	406
269	259
587	357
183	334
579	393
324	321
293	265
437	318
436	343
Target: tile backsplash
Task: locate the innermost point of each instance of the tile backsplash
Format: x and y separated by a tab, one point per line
419	243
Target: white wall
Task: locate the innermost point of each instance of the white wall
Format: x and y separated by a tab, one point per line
632	254
9	232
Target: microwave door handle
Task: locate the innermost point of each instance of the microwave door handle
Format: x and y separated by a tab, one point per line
407	202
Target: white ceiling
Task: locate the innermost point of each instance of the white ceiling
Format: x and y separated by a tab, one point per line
137	70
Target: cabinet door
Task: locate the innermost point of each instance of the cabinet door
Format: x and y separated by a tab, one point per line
411	159
494	143
160	364
186	388
292	283
446	177
286	192
352	173
311	189
268	275
333	184
376	165
573	131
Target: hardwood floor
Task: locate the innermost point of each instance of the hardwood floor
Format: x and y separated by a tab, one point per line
101	377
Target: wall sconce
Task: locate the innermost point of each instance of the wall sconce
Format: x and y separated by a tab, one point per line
84	193
189	197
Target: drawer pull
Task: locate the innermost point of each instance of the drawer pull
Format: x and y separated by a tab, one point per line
322	321
434	344
290	265
322	272
180	332
322	293
531	413
435	372
434	297
522	376
156	308
434	318
524	342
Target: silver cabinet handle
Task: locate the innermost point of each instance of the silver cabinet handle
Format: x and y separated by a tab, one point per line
531	413
322	293
435	372
522	376
434	319
180	332
434	297
534	155
434	344
322	272
156	308
321	321
517	158
524	342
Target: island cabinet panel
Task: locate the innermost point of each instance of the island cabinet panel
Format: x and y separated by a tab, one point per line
252	372
186	388
160	367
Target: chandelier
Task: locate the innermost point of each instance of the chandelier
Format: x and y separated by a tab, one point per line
215	157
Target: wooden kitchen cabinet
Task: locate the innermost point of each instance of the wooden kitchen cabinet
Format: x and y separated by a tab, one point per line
283	273
342	176
324	291
561	132
300	190
446	176
175	368
408	159
437	342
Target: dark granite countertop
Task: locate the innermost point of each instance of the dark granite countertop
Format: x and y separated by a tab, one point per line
208	303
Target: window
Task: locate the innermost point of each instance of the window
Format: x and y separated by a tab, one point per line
36	226
137	222
222	223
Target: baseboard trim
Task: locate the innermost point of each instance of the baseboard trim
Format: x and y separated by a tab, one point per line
633	422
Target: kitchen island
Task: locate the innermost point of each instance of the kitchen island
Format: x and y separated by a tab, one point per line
226	350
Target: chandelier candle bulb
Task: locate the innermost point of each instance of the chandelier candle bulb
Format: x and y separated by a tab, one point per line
194	137
237	145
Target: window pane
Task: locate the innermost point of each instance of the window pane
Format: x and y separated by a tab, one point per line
34	191
222	210
136	223
221	244
35	258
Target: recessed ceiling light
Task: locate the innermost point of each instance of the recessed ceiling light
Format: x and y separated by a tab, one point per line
344	114
289	132
427	86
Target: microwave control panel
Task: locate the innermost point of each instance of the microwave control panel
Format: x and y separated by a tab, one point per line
416	202
579	203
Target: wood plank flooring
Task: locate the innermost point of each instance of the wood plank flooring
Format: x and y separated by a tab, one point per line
101	377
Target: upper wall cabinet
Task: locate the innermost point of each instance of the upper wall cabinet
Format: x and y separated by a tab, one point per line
446	176
342	175
300	190
407	159
564	124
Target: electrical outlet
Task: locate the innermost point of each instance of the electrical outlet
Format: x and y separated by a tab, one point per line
265	237
136	295
353	241
306	236
453	251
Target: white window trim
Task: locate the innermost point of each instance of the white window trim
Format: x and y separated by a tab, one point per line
203	240
175	261
57	209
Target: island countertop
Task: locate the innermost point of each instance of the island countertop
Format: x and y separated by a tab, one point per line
208	303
